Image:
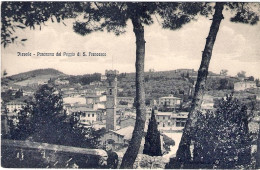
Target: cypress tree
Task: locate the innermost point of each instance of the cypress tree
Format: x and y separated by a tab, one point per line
152	144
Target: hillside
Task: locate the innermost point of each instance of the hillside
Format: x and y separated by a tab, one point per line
32	76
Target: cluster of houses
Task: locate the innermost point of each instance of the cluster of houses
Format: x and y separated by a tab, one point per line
100	107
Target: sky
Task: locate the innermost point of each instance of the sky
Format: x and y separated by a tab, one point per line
236	48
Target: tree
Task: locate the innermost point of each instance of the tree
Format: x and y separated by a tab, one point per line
222	138
4	73
244	14
251	78
257	82
113	17
44	120
152	144
19	93
241	74
24	127
224	84
223	72
258	151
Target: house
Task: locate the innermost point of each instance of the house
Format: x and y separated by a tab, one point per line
87	115
179	119
94	91
61	82
171	120
243	85
128	121
77	99
103	77
13	109
15	106
128	101
257	96
41	82
163	119
28	93
92	99
184	71
95	83
169	101
117	139
207	103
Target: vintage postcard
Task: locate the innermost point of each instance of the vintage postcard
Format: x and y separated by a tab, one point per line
130	85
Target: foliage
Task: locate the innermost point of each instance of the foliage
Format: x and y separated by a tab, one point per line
251	78
19	94
168	142
84	79
257	82
152	144
44	120
19	15
241	74
123	103
222	138
224	72
5	73
7	95
225	84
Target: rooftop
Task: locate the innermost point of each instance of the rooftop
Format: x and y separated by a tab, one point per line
126	132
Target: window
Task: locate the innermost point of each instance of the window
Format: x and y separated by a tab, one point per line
88	115
110	91
169	123
93	115
163	117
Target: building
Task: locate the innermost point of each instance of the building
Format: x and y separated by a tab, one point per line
207	103
128	121
96	83
103	77
163	119
169	102
77	99
190	71
91	99
257	96
118	139
13	109
243	85
61	82
111	99
87	114
171	120
15	106
129	101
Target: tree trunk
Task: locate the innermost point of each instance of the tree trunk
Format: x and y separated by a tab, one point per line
258	149
183	154
134	144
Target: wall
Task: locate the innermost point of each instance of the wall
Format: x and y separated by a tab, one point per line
25	154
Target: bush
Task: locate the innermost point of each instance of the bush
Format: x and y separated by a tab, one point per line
222	138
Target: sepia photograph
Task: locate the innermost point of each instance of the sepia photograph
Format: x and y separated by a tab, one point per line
130	85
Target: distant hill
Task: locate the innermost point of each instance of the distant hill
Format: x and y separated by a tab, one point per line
32	76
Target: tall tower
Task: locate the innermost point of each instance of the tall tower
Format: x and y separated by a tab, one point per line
111	99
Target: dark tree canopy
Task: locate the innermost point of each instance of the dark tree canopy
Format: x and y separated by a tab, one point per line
44	120
222	138
152	144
